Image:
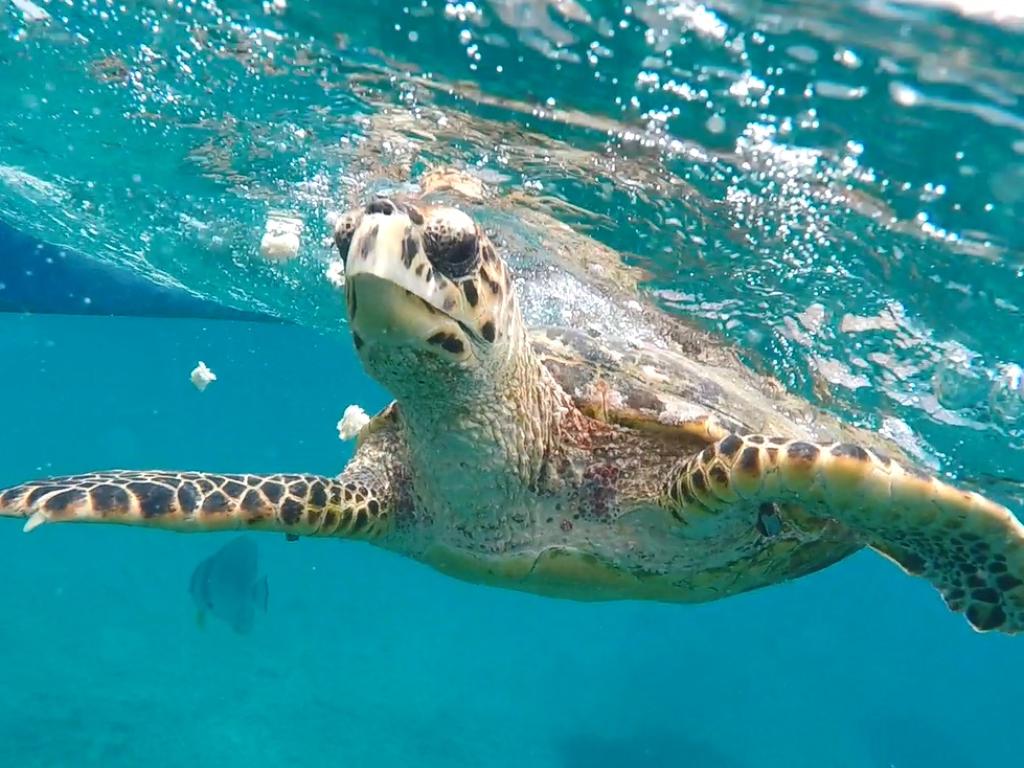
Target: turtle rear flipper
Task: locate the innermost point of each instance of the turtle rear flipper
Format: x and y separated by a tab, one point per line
970	548
306	505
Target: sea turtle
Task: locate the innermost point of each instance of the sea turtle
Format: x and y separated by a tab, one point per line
644	463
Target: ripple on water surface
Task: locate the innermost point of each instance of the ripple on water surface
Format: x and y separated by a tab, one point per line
837	187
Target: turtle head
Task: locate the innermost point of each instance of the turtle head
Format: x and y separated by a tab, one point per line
430	303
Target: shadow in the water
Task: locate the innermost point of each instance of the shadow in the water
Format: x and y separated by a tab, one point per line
646	748
39	278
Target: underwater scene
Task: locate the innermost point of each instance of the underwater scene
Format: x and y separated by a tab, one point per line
555	383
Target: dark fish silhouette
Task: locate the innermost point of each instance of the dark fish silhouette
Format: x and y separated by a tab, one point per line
228	585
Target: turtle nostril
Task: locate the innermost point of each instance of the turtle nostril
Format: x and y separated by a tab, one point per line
381	205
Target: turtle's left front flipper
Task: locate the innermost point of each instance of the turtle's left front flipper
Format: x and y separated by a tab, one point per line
970	548
357	505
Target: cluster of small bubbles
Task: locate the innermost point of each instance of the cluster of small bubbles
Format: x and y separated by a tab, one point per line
685	91
649	81
700	19
960	381
1006	398
777	191
750	90
931	192
657	119
808	120
933	231
463	11
596	51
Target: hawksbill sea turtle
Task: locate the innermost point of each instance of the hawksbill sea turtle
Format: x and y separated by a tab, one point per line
644	463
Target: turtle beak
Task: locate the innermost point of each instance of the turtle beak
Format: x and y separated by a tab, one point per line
395	298
384	313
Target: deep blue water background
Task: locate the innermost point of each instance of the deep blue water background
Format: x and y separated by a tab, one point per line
368	659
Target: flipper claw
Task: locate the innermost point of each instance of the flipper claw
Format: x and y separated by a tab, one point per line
35	520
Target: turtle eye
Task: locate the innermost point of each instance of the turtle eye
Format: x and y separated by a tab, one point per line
450	241
344	228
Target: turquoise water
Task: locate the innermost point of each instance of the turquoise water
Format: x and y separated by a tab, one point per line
837	187
368	659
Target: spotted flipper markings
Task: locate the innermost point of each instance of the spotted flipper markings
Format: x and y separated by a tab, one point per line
970	548
298	505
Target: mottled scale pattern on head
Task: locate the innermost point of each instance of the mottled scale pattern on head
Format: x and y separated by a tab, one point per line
458	293
307	505
970	548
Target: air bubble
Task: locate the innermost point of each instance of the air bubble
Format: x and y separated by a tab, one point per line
848	58
1006	398
715	124
904	95
959	384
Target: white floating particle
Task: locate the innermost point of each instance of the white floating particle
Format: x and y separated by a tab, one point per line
279	247
831	90
904	95
201	376
803	53
848	58
30	11
335	273
280	240
352	422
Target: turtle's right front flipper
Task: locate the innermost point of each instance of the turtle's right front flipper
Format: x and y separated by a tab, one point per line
356	505
969	547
